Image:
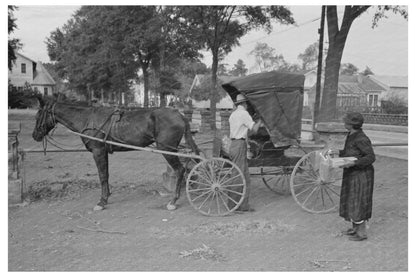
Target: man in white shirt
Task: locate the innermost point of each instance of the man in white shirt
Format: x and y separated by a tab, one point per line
240	123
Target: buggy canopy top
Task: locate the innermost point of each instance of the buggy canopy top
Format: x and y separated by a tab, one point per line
275	97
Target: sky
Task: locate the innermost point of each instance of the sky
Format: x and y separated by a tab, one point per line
383	49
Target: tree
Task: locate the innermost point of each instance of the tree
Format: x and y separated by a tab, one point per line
23	98
239	69
348	69
13	43
102	48
61	86
394	105
222	69
309	57
89	53
176	42
266	58
221	27
337	37
367	71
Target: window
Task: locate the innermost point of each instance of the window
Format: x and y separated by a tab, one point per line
23	67
45	91
373	100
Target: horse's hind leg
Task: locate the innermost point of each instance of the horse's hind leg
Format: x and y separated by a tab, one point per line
177	166
101	160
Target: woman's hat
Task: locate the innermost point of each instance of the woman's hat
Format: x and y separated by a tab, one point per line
354	118
240	99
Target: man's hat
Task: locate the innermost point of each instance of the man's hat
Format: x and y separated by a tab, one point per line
240	99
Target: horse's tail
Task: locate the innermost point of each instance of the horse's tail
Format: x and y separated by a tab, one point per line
188	137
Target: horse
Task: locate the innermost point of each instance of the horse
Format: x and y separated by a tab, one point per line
139	127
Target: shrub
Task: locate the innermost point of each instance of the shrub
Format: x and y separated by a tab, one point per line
394	105
23	98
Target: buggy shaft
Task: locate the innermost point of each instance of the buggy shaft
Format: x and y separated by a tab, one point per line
140	148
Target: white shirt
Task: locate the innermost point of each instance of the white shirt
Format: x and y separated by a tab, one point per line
240	122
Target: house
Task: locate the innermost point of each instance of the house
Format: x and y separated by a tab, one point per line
310	81
354	91
393	85
203	79
26	71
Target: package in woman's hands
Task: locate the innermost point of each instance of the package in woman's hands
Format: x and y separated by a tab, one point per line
338	162
325	169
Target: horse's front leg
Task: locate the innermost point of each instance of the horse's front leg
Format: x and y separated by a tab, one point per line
101	160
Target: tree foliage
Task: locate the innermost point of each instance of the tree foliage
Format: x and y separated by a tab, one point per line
221	27
394	105
367	71
267	59
102	48
21	98
13	43
239	69
309	57
348	69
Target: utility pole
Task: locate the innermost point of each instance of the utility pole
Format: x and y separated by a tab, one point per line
317	105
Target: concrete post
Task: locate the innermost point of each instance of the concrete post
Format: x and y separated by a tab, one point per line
332	134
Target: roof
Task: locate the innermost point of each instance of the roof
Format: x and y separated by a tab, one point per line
349	88
391	81
357	83
20	54
42	76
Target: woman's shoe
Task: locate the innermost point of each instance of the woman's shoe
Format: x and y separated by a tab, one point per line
349	232
357	238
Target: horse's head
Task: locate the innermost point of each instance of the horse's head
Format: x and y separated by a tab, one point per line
45	119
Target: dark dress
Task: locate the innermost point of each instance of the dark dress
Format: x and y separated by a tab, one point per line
358	181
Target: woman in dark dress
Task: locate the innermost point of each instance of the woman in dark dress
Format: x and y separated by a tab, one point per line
358	178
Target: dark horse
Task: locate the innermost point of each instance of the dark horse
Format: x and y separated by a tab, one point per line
141	127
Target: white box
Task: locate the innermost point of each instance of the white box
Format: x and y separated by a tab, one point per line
337	162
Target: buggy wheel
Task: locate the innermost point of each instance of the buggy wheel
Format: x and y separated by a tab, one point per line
277	179
310	190
215	187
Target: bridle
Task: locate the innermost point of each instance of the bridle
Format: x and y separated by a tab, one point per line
45	111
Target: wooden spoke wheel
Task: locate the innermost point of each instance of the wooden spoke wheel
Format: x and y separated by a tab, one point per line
215	187
277	179
312	188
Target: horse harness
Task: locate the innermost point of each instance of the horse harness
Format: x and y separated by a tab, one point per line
110	122
113	118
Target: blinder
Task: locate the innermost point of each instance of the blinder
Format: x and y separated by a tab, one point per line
46	111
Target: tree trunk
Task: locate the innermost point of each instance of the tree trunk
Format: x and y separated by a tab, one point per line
329	94
214	94
337	38
146	87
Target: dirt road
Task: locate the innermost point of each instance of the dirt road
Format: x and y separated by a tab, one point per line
58	230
